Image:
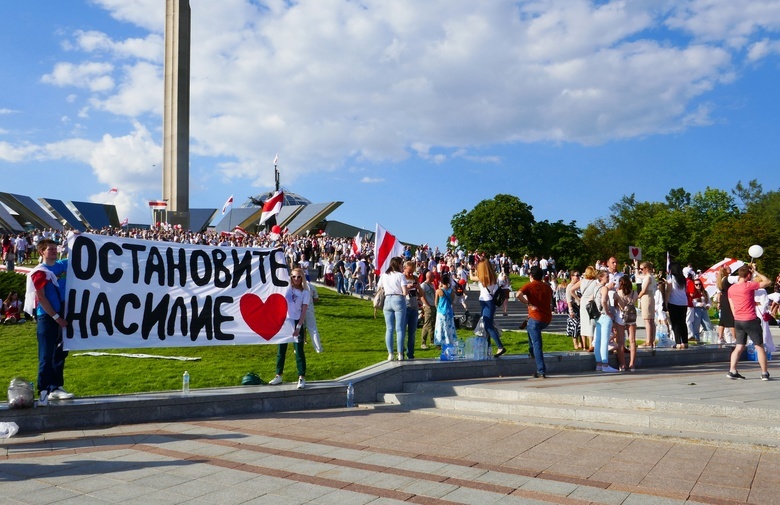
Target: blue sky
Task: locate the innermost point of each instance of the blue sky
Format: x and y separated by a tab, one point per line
407	111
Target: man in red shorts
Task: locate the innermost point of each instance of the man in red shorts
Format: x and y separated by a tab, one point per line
746	322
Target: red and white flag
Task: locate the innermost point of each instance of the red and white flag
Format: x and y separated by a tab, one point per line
227	205
356	244
272	206
385	247
158	204
113	191
276	159
240	231
124	223
454	241
709	277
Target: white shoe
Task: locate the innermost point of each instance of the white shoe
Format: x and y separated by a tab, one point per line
608	369
44	399
276	380
400	357
390	357
301	383
60	394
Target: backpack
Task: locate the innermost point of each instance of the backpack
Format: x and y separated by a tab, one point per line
379	298
629	314
459	289
500	296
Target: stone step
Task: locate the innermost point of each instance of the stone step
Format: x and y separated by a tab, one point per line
602	418
585	399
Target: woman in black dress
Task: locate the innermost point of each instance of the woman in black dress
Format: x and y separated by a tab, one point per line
726	317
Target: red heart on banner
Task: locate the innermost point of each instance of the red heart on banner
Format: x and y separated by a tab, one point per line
634	252
264	318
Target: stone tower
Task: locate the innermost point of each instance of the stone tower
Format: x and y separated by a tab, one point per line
176	113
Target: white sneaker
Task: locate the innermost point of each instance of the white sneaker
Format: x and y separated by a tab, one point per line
400	357
608	369
390	357
301	383
44	399
276	380
60	394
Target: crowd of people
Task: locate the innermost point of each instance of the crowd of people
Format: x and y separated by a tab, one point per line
602	303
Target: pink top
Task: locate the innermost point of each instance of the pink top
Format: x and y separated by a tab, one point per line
742	295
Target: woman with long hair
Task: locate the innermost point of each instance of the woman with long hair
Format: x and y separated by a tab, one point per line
12	308
444	329
701	309
412	307
298	300
488	285
646	298
573	321
625	298
589	287
393	282
726	319
677	303
603	330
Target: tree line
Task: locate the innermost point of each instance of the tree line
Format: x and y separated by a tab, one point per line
699	229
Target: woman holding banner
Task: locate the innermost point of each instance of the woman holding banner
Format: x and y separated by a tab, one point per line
298	300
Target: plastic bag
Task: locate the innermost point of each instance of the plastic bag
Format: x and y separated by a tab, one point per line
479	329
8	430
21	394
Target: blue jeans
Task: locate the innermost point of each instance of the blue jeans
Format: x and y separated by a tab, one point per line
411	330
701	317
340	283
535	341
51	356
488	313
395	319
601	339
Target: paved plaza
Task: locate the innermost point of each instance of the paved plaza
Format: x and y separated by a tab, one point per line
383	454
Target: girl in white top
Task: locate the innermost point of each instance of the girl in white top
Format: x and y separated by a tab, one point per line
298	300
393	282
488	284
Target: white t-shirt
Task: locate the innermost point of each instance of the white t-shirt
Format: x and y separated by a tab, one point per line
296	299
393	283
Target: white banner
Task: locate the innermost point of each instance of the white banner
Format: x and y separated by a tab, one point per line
125	293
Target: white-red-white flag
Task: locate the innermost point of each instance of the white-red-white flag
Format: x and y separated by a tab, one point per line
124	223
386	246
158	204
113	191
454	241
276	159
228	204
709	277
356	244
272	206
240	231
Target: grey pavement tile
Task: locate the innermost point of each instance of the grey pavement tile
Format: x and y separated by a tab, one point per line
303	491
503	479
90	483
193	470
160	480
233	495
461	472
280	462
160	497
44	494
472	496
422	465
196	487
428	488
385	480
210	450
347	474
600	496
88	500
342	497
550	486
377	458
386	501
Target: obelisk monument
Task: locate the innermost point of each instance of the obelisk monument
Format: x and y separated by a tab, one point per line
176	113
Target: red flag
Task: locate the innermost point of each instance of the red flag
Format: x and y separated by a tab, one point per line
272	206
124	223
385	247
227	205
240	231
113	191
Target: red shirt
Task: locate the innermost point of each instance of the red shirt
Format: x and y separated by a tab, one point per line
539	294
742	295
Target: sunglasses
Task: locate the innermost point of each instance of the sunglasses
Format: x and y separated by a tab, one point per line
295	277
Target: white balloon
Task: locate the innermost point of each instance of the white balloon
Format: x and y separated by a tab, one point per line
755	251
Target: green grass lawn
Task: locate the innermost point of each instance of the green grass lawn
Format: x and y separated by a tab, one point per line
351	337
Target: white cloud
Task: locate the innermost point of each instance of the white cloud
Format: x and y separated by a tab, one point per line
4	111
330	83
371	180
89	75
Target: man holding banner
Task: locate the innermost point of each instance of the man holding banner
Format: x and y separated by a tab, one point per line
46	285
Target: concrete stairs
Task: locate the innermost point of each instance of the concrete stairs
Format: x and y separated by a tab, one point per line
586	406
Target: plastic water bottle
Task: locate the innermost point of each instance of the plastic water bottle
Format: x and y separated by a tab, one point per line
185	383
461	345
350	395
751	352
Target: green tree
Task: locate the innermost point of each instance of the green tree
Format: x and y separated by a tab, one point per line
561	241
503	224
